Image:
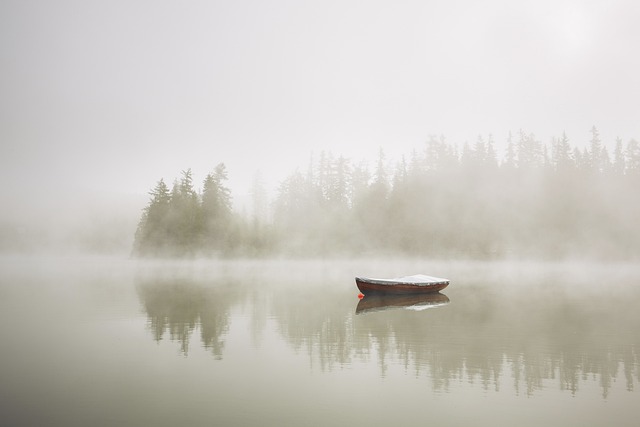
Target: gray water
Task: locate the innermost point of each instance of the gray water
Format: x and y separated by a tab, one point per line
107	341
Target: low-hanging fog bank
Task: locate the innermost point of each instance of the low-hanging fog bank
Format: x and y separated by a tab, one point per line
543	201
70	221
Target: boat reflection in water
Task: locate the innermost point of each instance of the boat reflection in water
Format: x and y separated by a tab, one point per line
379	302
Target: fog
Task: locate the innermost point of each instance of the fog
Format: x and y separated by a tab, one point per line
102	100
544	201
106	340
187	190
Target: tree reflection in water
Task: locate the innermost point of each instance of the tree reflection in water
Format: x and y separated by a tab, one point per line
483	336
181	306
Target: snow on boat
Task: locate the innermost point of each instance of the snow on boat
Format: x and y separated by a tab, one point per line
418	283
415	302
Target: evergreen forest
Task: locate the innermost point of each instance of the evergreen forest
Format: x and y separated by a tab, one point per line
538	200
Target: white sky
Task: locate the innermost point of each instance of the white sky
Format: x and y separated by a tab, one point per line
113	95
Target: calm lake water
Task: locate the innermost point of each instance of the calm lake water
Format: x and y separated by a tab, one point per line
106	341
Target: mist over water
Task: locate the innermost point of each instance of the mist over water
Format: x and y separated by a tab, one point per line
189	190
104	340
191	308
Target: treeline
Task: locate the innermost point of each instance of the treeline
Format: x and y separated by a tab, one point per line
540	200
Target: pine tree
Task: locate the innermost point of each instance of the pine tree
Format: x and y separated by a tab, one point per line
605	161
360	181
561	157
183	222
618	158
529	151
632	156
380	184
595	151
152	233
337	193
511	156
400	175
216	210
491	157
479	152
433	154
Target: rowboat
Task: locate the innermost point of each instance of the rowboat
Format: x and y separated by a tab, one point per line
414	302
418	283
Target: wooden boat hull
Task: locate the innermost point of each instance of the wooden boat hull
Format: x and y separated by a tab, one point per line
373	286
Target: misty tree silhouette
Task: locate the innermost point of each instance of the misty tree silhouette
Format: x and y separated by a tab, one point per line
540	200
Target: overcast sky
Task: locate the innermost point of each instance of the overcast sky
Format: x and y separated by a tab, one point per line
113	95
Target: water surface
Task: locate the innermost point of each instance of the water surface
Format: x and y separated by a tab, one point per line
106	341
